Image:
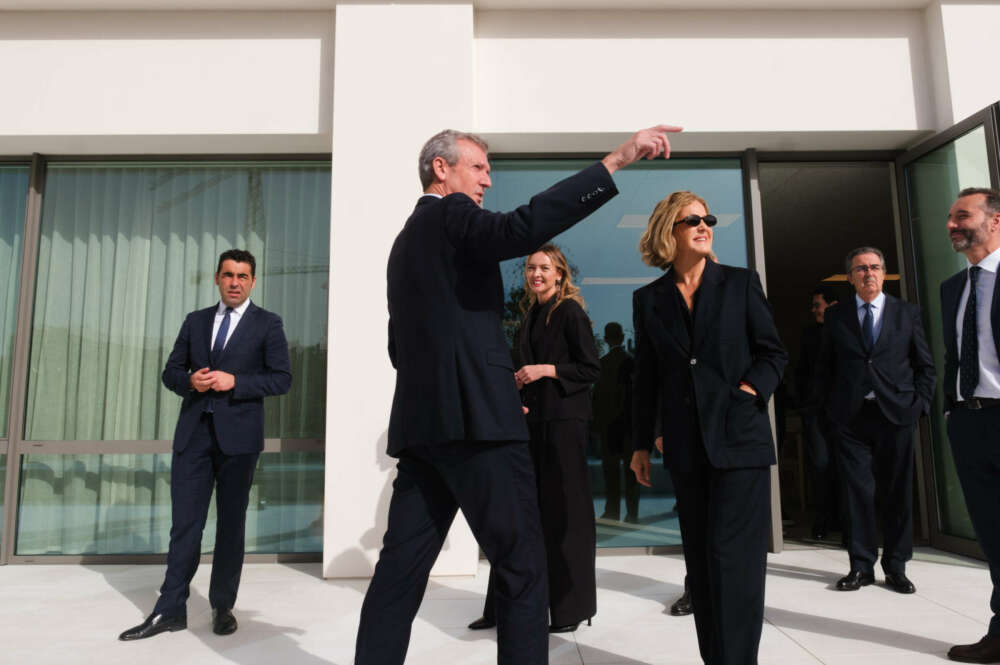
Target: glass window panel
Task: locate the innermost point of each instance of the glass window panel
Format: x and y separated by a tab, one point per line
932	182
603	251
127	250
120	504
13	198
3	488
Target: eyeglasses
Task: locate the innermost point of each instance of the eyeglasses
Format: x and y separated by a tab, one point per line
875	267
695	220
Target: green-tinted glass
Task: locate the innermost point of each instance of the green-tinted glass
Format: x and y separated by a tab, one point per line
127	250
932	183
602	252
120	504
13	197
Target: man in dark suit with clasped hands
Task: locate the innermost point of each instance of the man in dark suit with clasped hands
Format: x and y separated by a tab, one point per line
970	307
226	359
457	424
875	377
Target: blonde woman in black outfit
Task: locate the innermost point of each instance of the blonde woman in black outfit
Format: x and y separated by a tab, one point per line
560	363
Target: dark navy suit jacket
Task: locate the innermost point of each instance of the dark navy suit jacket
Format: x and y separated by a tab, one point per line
899	369
454	375
680	374
951	294
256	354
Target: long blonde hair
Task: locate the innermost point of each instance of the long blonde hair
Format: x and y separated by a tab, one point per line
657	246
565	288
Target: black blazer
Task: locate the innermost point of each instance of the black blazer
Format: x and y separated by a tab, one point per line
899	368
256	354
734	340
951	293
568	343
454	375
613	392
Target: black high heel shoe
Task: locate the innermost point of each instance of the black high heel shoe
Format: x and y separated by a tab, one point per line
568	628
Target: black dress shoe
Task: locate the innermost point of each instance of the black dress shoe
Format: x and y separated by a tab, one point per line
854	580
568	628
682	606
154	625
899	582
223	621
482	623
986	650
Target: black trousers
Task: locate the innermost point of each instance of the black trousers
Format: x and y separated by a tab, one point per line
871	452
567	512
974	444
616	456
822	470
724	516
194	473
494	485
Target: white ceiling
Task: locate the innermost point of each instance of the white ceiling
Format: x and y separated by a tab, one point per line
289	5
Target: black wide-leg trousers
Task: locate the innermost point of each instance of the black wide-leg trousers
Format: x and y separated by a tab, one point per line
194	473
567	513
725	516
494	486
975	444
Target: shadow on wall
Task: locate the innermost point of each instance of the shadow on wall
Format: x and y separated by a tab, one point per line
356	562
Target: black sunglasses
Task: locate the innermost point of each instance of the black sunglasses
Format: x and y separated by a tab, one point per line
695	220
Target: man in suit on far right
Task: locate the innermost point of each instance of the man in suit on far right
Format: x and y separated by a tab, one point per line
875	377
970	307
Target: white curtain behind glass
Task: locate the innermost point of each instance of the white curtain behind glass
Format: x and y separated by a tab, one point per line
125	253
13	196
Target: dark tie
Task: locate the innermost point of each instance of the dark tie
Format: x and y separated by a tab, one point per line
868	327
220	338
968	365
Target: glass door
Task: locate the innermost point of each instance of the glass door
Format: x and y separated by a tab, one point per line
930	177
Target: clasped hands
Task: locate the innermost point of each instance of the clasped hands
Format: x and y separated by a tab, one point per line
207	379
531	373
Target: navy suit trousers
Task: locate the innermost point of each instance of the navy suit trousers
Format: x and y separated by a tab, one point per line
973	437
195	472
494	485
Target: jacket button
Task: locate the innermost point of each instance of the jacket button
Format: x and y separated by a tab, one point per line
694	361
869	361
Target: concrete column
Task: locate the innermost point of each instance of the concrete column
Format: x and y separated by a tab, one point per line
401	73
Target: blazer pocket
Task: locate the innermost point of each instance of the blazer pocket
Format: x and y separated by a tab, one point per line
500	359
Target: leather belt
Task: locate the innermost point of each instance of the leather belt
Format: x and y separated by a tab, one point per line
977	403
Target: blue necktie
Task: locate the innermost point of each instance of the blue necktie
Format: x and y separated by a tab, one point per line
220	338
868	327
968	364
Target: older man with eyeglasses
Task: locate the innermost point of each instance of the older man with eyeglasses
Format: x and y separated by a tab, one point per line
875	377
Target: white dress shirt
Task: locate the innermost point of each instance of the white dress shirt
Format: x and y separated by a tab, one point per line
878	306
234	319
989	364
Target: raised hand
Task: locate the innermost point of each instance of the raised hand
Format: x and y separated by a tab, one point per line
648	143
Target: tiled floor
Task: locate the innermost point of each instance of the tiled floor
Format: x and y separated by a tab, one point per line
289	616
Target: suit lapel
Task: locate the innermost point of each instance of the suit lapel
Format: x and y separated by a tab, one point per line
890	322
949	306
994	313
241	329
666	311
707	312
524	337
553	330
205	332
851	313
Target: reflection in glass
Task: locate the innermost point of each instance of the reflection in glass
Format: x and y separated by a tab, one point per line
127	250
602	252
932	183
13	198
120	504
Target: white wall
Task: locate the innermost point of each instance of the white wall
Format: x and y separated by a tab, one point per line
99	82
402	74
763	71
970	32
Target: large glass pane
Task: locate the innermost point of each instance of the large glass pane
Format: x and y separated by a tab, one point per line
932	182
120	504
127	250
602	250
13	197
